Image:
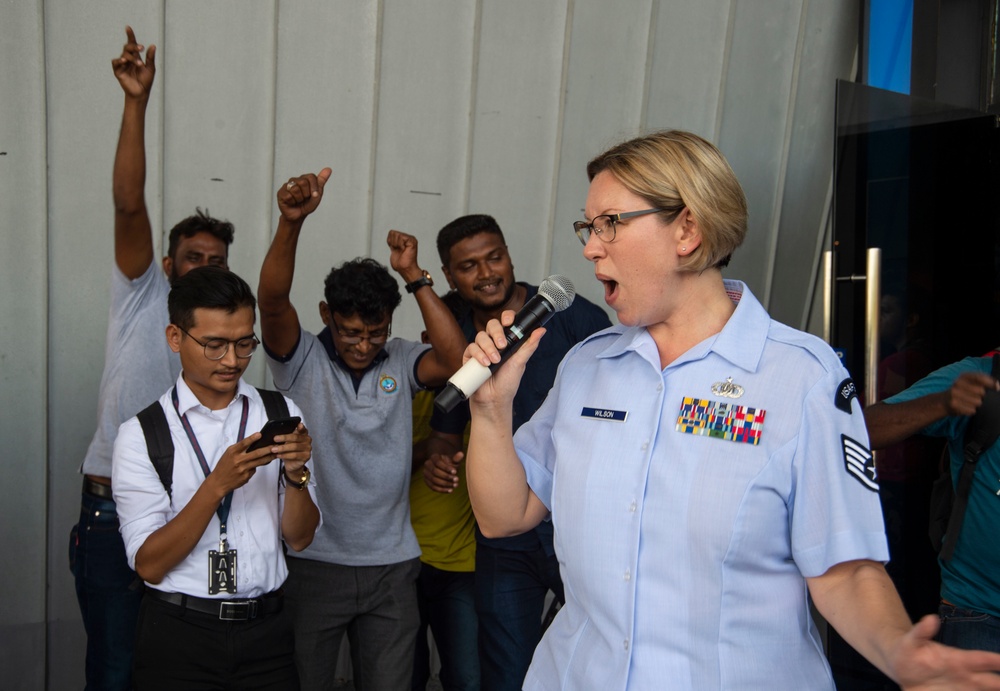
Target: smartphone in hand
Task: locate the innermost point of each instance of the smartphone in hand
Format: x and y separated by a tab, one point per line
275	428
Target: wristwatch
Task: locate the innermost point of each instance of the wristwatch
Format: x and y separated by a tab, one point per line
424	280
301	484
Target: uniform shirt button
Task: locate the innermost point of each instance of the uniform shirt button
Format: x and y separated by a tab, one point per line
632	506
628	575
645	445
659	387
625	644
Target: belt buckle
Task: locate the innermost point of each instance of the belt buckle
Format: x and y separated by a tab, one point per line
237	610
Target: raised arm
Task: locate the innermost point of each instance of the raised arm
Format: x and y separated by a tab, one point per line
503	502
446	338
891	423
133	233
279	322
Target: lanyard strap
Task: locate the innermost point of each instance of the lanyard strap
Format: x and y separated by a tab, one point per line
223	511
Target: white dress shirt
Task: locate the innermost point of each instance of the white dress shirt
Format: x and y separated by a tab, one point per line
254	524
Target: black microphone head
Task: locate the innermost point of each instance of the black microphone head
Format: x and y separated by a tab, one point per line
558	290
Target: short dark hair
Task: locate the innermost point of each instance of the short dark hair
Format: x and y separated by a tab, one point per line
465	227
200	222
363	287
207	287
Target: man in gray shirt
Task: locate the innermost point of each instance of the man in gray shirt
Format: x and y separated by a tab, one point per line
356	386
138	368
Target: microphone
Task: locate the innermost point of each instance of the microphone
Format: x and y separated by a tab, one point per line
555	294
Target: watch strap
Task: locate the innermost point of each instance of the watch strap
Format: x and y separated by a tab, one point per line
414	286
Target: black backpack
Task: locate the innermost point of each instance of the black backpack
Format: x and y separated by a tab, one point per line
947	504
161	447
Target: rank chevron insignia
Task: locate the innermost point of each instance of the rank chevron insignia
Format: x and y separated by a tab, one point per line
859	462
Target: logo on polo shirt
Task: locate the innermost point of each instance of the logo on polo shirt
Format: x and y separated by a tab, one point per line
387	384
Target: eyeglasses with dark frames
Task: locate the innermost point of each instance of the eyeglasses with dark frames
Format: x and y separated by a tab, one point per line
216	348
604	225
375	338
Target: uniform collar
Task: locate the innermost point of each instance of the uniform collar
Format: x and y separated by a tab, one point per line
186	400
741	340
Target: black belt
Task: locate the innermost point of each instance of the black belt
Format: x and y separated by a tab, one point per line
227	610
97	489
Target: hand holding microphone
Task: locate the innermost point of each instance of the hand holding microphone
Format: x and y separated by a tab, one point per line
555	294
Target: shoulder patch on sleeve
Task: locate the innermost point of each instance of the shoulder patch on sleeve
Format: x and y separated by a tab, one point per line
859	462
846	390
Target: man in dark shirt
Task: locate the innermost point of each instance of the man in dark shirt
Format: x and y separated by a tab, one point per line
513	574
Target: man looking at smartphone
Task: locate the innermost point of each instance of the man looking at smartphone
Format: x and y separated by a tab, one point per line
138	367
228	507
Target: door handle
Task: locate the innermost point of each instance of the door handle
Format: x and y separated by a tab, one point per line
873	289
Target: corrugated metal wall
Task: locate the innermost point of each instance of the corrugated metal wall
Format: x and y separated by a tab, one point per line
425	110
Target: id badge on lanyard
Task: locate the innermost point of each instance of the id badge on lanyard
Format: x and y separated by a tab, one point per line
221	563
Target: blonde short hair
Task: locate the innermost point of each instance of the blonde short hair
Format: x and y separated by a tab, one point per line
674	169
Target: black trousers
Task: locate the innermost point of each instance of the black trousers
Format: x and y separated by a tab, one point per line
178	648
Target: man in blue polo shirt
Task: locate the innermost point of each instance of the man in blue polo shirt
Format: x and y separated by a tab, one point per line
358	576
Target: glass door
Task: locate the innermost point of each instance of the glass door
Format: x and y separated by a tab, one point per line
914	286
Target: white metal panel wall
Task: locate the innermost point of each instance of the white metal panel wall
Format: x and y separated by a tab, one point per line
218	61
84	105
828	53
605	79
425	111
327	76
754	123
427	55
688	64
516	118
23	340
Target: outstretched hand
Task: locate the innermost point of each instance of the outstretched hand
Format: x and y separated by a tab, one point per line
301	195
135	75
921	664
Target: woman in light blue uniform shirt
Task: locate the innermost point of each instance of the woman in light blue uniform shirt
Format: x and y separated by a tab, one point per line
706	469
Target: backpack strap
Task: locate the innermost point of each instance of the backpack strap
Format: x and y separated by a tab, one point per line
160	446
158	443
980	435
274	404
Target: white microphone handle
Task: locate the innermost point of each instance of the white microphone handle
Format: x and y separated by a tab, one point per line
470	377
